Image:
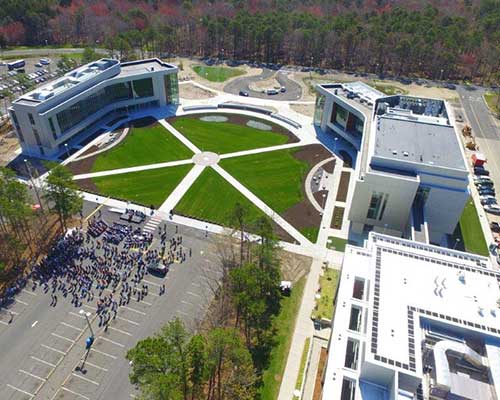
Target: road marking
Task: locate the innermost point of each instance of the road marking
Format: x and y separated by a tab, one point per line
186	302
3	322
183	313
145	302
128	320
43	361
76	315
195	284
85	379
97	209
119	330
22	302
34	324
32	375
151	283
134	310
104	354
27	291
13	312
71	326
91	307
75	393
111	341
62	337
95	366
51	348
20	390
193	294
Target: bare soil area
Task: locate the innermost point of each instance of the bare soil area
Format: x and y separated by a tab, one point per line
192	92
304	109
8	146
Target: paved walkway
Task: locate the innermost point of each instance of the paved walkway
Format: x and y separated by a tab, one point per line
181	189
180	136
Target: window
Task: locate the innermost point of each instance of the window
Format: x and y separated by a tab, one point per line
171	88
348	389
382	210
358	290
355	319
319	109
52	128
374	206
32	121
42	152
16	124
37	137
143	87
351	354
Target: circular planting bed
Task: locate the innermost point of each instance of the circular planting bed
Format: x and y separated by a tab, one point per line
259	125
214	118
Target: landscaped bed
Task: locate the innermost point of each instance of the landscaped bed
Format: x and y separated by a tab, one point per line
328	286
278	179
149	187
217	74
144	144
469	232
228	133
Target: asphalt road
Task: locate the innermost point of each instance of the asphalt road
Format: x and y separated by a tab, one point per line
42	345
293	89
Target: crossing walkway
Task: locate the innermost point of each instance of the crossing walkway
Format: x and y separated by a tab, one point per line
152	224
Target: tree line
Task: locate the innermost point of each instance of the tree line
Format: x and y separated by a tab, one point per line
26	211
224	358
461	40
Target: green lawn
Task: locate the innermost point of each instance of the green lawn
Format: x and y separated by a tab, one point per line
142	146
389	90
328	283
335	243
303	360
311	233
212	199
471	232
143	187
493	102
284	325
217	74
275	177
226	137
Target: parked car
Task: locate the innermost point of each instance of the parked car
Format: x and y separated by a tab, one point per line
484	185
488	200
492	209
243	93
482	179
38	65
481	171
487	191
271	92
45	61
157	268
283	89
495	226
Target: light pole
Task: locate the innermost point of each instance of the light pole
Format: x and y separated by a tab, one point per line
335	145
66	147
88	342
457	240
324	201
87	315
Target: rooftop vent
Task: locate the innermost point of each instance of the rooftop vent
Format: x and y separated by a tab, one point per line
406	154
394	152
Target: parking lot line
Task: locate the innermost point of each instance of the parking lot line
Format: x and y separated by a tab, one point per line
86	379
104	354
71	326
62	337
182	312
128	320
4	323
134	310
193	294
111	341
151	283
76	315
51	348
145	302
75	393
91	307
22	302
27	291
20	390
32	375
187	302
14	312
96	366
119	330
195	284
43	361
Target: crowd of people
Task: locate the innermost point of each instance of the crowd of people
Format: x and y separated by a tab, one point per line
106	263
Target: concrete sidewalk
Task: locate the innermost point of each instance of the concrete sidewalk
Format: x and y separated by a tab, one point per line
180	136
181	189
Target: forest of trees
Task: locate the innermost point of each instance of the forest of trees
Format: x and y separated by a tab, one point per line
449	39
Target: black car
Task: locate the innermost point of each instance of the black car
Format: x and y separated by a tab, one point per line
481	171
495	226
488	191
243	93
157	268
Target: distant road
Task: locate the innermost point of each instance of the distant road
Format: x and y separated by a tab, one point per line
42	51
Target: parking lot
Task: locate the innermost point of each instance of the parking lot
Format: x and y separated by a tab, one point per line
43	346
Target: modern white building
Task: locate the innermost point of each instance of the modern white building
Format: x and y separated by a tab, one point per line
414	321
69	109
411	176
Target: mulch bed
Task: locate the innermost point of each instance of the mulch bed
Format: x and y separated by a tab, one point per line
338	215
319	196
318	385
240	119
329	166
87	185
303	214
343	186
82	166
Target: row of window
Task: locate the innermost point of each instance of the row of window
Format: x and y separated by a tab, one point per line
377	205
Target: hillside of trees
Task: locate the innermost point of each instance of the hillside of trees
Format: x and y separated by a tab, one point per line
452	39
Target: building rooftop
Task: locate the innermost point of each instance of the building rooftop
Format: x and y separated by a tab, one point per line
361	90
142	66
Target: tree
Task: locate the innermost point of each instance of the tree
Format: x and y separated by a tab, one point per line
239	217
89	55
62	195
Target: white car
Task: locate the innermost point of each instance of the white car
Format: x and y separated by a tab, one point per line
482	179
492	209
45	61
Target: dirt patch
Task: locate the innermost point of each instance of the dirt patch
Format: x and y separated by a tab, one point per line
318	386
319	197
90	150
82	166
242	120
87	185
343	186
304	214
260	86
8	146
304	109
338	216
293	266
329	166
192	92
